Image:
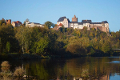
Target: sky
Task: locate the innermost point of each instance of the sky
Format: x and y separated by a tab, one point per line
41	11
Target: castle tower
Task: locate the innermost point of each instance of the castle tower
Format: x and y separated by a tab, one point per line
8	21
74	19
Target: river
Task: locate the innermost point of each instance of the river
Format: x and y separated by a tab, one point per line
85	68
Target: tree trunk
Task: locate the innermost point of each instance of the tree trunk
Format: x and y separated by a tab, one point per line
22	49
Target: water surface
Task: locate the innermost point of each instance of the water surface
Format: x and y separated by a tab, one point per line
86	68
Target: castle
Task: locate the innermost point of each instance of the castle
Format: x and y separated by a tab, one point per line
103	26
33	24
14	23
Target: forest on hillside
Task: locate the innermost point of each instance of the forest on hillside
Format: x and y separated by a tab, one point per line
63	42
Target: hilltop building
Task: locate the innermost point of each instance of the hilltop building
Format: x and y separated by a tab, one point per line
16	23
8	21
32	24
103	26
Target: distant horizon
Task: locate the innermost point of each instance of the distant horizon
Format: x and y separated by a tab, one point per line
51	10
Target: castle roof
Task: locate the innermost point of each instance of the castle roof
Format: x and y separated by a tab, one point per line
68	20
86	21
34	23
17	22
96	22
73	22
99	22
61	19
80	23
104	22
60	24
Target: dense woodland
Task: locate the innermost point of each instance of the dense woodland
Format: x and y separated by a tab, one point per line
49	42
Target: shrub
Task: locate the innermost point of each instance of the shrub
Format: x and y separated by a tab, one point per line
6	74
19	71
5	66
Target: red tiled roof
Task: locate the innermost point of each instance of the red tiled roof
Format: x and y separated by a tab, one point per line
60	24
17	22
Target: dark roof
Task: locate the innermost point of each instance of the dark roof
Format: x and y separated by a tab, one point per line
73	22
99	22
61	19
80	23
33	22
96	22
104	22
36	23
86	21
68	20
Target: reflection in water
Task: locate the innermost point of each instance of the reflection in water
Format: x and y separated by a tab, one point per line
115	62
71	69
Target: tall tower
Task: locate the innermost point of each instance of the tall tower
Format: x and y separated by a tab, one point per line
74	19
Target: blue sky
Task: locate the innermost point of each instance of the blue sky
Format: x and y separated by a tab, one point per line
51	10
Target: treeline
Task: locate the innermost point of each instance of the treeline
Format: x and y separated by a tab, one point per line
63	42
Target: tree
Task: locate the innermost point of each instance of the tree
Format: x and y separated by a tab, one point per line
7	35
76	49
0	45
23	35
78	45
70	31
85	31
48	24
8	46
106	47
62	29
41	45
2	21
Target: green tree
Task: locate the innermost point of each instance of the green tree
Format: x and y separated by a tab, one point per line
23	35
7	35
2	21
78	45
8	46
41	45
0	45
106	47
48	24
76	49
70	31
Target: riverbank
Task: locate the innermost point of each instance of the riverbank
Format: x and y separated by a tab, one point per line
16	56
